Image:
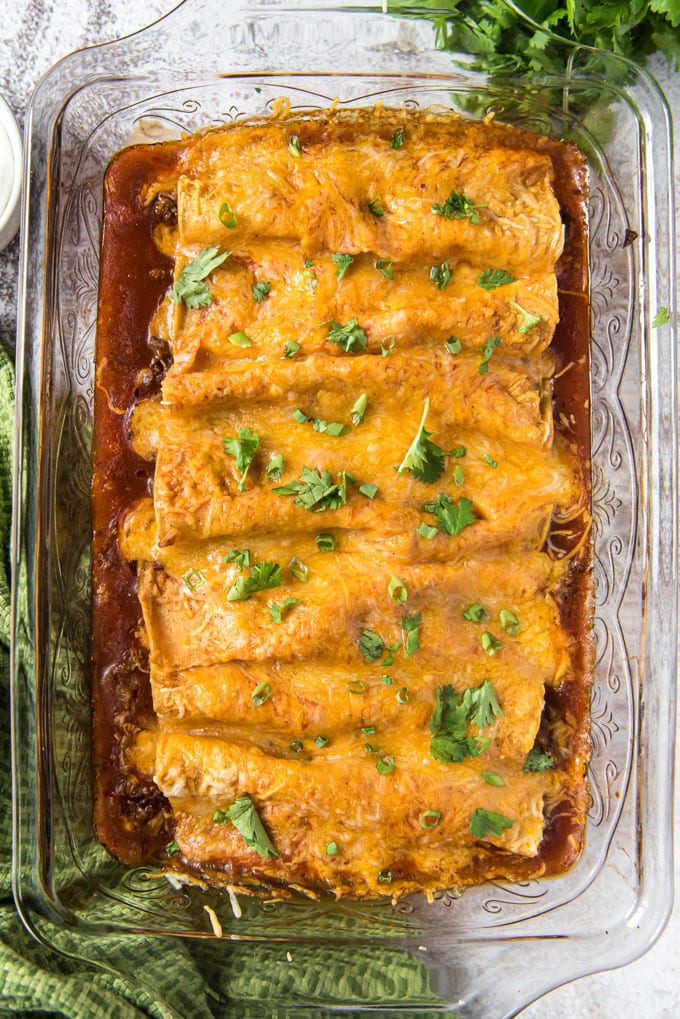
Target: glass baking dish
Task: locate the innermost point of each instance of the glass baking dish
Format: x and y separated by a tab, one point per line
491	951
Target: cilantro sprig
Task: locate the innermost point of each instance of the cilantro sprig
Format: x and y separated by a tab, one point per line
245	818
190	286
424	458
243	447
351	338
488	822
459	206
450	517
315	490
450	741
263	576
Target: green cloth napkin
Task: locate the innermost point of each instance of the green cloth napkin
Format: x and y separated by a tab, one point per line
165	977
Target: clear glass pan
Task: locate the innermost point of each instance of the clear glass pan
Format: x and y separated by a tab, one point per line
497	947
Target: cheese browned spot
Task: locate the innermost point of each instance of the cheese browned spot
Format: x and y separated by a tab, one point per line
315	694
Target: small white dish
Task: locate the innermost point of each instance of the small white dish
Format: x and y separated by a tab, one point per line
11	161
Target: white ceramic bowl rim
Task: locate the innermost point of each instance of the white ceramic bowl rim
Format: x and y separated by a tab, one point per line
9	211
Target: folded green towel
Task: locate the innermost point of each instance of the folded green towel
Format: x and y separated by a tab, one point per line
165	977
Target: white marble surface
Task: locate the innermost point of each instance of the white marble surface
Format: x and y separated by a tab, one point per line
35	33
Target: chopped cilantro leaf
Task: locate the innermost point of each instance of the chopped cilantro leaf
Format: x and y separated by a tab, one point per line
342	263
262	576
243	447
371	645
528	320
450	743
538	761
492	779
275	467
316	490
459	206
172	848
384	266
190	286
490	279
240	557
244	817
398	138
488	822
260	290
424	459
484	708
488	348
277	612
290	348
661	318
450	516
350	338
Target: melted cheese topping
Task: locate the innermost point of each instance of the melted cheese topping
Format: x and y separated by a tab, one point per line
306	750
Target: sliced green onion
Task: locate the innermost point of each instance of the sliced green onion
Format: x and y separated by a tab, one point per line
397	590
172	848
300	416
194	579
298	569
370	749
385	765
369	490
359	410
476	613
261	693
490	460
368	730
387	680
227	216
458	452
384	266
385	877
356	686
375	207
240	340
325	542
427	531
295	746
290	348
294	146
509	621
402	695
453	345
458	475
321	741
491	644
430	818
331	849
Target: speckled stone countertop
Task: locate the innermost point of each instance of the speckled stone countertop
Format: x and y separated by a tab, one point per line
36	33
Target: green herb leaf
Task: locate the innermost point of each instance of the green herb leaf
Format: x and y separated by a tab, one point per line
350	338
325	542
240	340
294	146
398	138
441	275
484	708
375	207
332	849
458	206
537	760
260	290
277	612
189	286
359	410
458	475
227	216
384	266
194	579
451	517
220	817
491	644
238	556
509	621
458	452
290	348
308	263
263	576
488	822
491	279
476	613
243	447
410	626
172	847
430	819
427	531
492	779
371	645
316	490
261	694
397	590
488	348
275	467
385	765
244	817
342	263
528	320
450	743
490	460
298	569
424	459
453	345
661	318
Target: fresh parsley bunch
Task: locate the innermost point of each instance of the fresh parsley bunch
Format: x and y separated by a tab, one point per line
504	44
